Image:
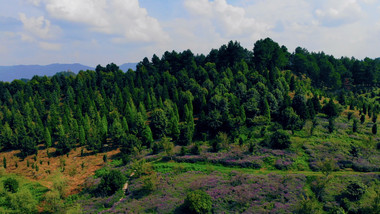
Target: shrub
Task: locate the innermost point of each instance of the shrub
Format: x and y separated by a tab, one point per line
355	190
198	201
23	201
196	149
11	185
111	182
307	205
280	140
331	109
150	183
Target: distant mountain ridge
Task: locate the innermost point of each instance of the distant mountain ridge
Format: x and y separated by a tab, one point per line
10	73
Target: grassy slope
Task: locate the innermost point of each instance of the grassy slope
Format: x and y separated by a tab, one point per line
239	189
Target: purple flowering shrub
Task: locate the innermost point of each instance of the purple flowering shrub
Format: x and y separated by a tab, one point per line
363	165
237	157
283	163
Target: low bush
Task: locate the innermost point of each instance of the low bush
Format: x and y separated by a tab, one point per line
198	201
111	182
11	185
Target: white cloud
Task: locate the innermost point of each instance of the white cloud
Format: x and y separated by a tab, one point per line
335	13
39	27
124	19
35	2
39	30
231	20
368	1
50	46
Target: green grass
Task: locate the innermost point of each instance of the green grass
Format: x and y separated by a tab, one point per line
167	167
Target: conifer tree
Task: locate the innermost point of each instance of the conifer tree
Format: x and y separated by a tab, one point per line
48	141
355	126
159	123
4	162
266	109
374	129
82	136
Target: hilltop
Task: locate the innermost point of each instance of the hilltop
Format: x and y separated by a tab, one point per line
237	130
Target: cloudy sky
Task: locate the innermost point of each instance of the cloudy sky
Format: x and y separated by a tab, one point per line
95	32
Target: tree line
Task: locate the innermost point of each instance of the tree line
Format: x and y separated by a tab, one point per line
180	95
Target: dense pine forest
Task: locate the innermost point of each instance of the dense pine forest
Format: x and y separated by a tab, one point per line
238	130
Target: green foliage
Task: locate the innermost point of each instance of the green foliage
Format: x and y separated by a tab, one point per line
331	109
349	115
355	126
196	149
141	167
53	201
186	134
150	183
331	125
268	55
327	166
307	206
11	185
23	201
290	120
355	190
232	98
362	119
198	201
221	142
59	184
280	140
374	129
130	144
48	141
168	146
111	182
159	123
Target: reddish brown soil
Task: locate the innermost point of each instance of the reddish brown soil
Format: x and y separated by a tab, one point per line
71	169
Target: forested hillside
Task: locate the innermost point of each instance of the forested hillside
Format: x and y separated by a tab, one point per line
264	108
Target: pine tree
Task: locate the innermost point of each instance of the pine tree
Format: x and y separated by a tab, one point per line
355	126
331	126
362	119
147	136
116	130
174	128
374	129
124	125
266	109
63	146
159	123
82	136
48	142
374	117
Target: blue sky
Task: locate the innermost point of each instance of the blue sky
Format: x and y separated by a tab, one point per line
95	32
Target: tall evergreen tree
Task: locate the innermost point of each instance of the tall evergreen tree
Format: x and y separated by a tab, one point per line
159	123
48	141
